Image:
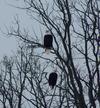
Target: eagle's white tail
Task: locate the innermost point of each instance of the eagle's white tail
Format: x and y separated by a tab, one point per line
47	51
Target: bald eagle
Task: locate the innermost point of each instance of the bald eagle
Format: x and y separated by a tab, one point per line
52	79
48	39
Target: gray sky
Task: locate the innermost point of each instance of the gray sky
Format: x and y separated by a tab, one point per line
7	13
7	45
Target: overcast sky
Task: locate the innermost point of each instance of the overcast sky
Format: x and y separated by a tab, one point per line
7	13
7	45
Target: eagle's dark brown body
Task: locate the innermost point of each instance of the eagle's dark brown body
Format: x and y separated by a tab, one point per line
48	39
52	79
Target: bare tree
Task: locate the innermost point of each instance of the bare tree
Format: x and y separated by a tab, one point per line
75	27
6	83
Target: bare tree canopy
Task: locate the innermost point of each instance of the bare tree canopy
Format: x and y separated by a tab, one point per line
75	54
